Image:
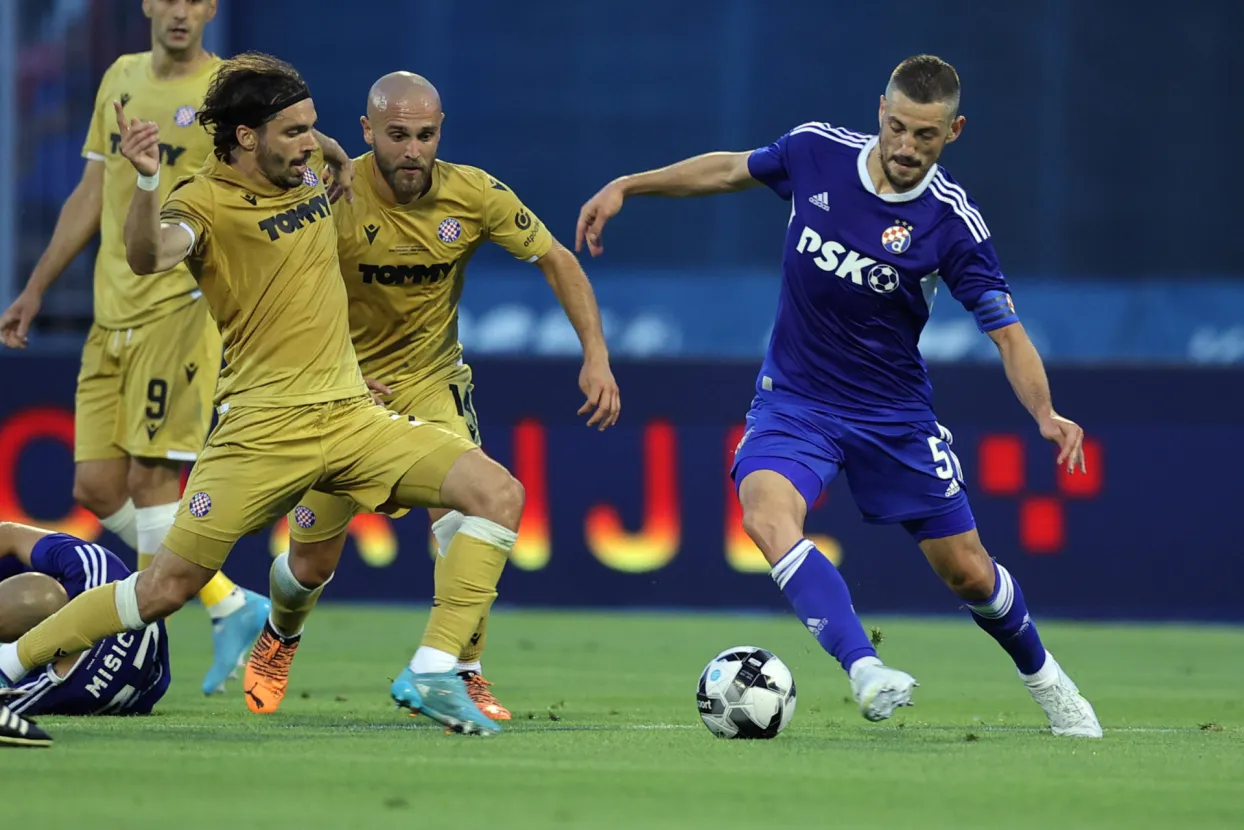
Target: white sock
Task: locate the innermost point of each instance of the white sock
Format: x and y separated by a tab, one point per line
126	599
1047	674
444	529
471	667
153	524
862	663
288	590
236	601
432	661
489	531
122	523
10	665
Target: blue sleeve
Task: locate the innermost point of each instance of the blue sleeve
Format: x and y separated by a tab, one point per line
770	166
975	279
76	564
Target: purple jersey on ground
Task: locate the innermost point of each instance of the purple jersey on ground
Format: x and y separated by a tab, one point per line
859	274
122	675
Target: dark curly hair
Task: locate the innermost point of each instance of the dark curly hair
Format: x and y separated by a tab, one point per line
247	91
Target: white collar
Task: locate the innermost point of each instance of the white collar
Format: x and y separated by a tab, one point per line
866	180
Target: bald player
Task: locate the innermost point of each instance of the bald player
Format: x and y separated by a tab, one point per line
255	227
404	245
149	365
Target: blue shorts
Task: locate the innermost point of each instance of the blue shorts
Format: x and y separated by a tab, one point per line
899	473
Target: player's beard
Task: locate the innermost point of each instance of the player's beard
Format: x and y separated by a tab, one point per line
279	170
405	187
901	177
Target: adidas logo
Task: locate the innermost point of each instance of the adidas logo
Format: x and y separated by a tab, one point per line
815	625
1024	624
952	489
821	200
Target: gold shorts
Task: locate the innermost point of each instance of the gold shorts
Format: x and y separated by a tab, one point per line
260	461
146	392
443	399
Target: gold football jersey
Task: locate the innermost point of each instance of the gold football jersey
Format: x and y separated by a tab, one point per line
404	265
266	259
122	299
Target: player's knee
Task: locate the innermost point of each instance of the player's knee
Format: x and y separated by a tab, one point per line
502	501
497	496
153	482
313	563
478	486
311	574
773	530
100	495
969	572
973	582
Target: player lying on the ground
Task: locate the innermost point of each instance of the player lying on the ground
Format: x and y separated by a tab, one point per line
122	675
143	405
254	226
875	224
404	244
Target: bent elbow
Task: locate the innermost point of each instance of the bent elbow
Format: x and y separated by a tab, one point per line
140	263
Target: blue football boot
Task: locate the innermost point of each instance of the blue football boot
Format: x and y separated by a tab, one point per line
232	638
443	698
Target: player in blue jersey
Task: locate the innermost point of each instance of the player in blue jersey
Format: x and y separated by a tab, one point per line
876	224
122	675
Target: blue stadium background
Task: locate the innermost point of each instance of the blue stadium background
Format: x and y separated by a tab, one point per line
1100	145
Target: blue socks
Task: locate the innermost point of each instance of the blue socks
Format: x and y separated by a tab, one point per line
817	592
1004	616
821	600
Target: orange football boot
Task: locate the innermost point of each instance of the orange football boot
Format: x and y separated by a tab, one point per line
477	688
267	672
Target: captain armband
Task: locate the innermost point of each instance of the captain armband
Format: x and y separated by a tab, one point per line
994	310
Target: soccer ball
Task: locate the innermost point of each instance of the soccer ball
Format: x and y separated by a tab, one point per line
746	692
883	278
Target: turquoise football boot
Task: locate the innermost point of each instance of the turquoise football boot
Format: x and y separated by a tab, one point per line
232	638
443	698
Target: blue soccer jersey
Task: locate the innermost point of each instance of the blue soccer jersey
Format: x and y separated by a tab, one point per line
843	386
122	675
860	271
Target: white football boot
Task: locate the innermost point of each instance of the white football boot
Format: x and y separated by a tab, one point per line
879	689
1069	713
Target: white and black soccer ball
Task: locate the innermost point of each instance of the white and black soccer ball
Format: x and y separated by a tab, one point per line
883	278
746	692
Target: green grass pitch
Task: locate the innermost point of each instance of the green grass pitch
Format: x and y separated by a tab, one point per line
606	734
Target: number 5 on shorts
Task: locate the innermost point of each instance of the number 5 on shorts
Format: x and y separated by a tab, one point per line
944	458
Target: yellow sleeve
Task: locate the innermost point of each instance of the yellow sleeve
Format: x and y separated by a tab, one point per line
512	226
191	205
95	147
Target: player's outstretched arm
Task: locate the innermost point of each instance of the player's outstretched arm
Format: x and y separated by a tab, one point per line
1026	372
19	540
78	222
703	175
574	291
150	247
